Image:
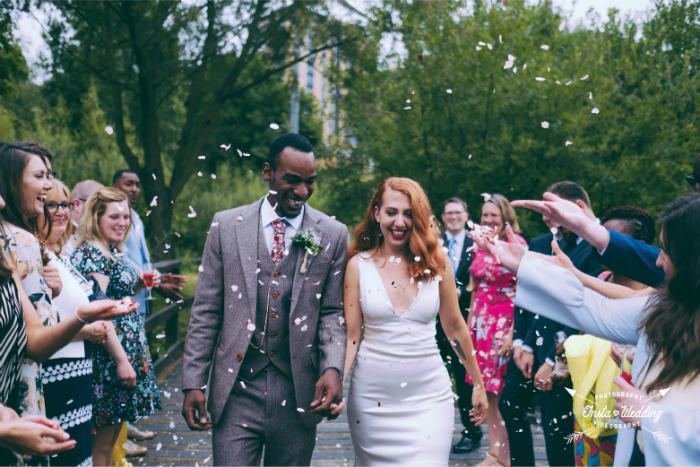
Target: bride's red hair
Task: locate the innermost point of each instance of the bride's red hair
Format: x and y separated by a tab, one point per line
424	241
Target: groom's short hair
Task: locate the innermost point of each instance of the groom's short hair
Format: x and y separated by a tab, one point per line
293	140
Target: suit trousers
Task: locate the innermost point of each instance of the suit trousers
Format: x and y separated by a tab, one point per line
464	389
262	412
557	419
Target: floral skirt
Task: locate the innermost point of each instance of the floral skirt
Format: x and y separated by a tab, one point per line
67	386
112	402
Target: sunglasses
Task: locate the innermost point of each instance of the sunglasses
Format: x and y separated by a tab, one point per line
692	180
53	207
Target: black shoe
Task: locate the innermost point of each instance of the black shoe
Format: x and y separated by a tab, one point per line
466	445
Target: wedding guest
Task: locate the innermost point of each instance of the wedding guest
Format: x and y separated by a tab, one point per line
81	192
104	226
68	374
491	319
660	408
459	251
23	334
600	450
400	404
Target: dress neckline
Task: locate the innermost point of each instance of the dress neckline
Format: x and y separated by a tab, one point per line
386	293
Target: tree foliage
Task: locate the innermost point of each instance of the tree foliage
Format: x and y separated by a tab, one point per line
510	100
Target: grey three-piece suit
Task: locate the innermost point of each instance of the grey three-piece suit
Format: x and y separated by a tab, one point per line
260	387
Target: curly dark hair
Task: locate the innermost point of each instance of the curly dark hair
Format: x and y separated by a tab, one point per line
640	224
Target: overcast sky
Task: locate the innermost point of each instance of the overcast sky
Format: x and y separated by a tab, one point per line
30	26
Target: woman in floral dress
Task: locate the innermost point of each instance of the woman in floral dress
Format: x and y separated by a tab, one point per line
491	320
103	229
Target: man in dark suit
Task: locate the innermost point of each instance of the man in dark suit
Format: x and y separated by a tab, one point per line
267	328
537	352
459	247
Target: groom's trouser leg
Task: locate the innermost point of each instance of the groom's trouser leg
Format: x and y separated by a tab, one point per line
238	437
287	440
261	412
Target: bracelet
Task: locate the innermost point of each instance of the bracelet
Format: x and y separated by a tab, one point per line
75	312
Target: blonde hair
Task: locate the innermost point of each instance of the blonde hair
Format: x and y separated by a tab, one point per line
95	207
507	213
59	190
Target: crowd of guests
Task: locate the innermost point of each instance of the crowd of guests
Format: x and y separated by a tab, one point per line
585	319
75	364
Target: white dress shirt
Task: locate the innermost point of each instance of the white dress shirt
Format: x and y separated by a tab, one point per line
268	216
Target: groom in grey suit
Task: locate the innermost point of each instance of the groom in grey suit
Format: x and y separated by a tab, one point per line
267	335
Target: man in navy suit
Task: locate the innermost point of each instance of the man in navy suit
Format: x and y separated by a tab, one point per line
537	351
459	247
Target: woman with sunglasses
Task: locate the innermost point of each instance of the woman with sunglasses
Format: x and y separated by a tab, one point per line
30	325
104	226
68	374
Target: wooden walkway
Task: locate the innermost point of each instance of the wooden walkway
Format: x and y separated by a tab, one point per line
176	445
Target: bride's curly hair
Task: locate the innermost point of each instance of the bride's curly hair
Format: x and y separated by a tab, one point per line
424	241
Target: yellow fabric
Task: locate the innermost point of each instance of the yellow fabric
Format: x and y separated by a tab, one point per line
592	371
119	453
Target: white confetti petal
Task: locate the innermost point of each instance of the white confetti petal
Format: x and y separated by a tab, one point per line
545	124
540	78
109	130
595	110
274	126
544	47
584	77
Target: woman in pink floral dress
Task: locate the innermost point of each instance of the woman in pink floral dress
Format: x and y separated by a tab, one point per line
491	320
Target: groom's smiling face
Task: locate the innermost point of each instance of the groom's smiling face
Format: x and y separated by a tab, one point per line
292	181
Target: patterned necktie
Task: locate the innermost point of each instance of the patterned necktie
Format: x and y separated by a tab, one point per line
451	251
277	252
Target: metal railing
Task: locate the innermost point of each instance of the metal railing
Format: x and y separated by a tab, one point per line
168	315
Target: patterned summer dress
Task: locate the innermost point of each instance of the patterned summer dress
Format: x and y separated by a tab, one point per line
113	403
492	315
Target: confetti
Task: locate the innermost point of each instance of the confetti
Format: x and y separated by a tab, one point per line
159	446
242	154
448	91
250	326
544	47
109	130
416	258
274	126
595	110
545	125
568	143
318	296
199	174
304	328
192	213
171	424
225	147
284	402
160	335
201	157
584	77
540	78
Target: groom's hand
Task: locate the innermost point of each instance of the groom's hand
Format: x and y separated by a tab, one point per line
194	409
328	394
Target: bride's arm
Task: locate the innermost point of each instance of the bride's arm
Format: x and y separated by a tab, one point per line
353	312
458	335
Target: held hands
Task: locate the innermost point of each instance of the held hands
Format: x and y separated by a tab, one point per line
506	348
524	360
53	280
543	377
480	405
629	400
105	309
508	253
33	435
328	396
171	285
126	374
194	410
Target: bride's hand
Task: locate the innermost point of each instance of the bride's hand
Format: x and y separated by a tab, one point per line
480	406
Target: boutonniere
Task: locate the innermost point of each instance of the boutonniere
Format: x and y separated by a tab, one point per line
311	243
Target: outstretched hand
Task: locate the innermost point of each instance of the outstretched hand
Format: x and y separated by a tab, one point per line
171	285
480	406
33	435
507	253
105	309
328	396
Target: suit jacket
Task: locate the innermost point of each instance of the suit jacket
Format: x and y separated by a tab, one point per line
633	258
225	302
561	296
462	276
543	330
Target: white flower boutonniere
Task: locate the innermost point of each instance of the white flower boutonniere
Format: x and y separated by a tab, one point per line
311	242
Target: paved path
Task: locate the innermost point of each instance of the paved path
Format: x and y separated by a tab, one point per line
176	445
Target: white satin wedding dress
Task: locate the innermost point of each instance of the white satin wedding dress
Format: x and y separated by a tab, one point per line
400	405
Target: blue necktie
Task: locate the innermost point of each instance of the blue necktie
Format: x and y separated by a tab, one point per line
454	259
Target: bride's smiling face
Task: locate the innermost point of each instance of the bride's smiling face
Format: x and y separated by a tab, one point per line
395	218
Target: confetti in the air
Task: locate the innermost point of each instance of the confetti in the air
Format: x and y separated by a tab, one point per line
584	77
540	78
225	147
274	126
544	47
192	213
154	201
109	130
568	143
201	157
595	110
545	124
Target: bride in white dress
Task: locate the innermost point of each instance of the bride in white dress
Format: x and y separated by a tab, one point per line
401	405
